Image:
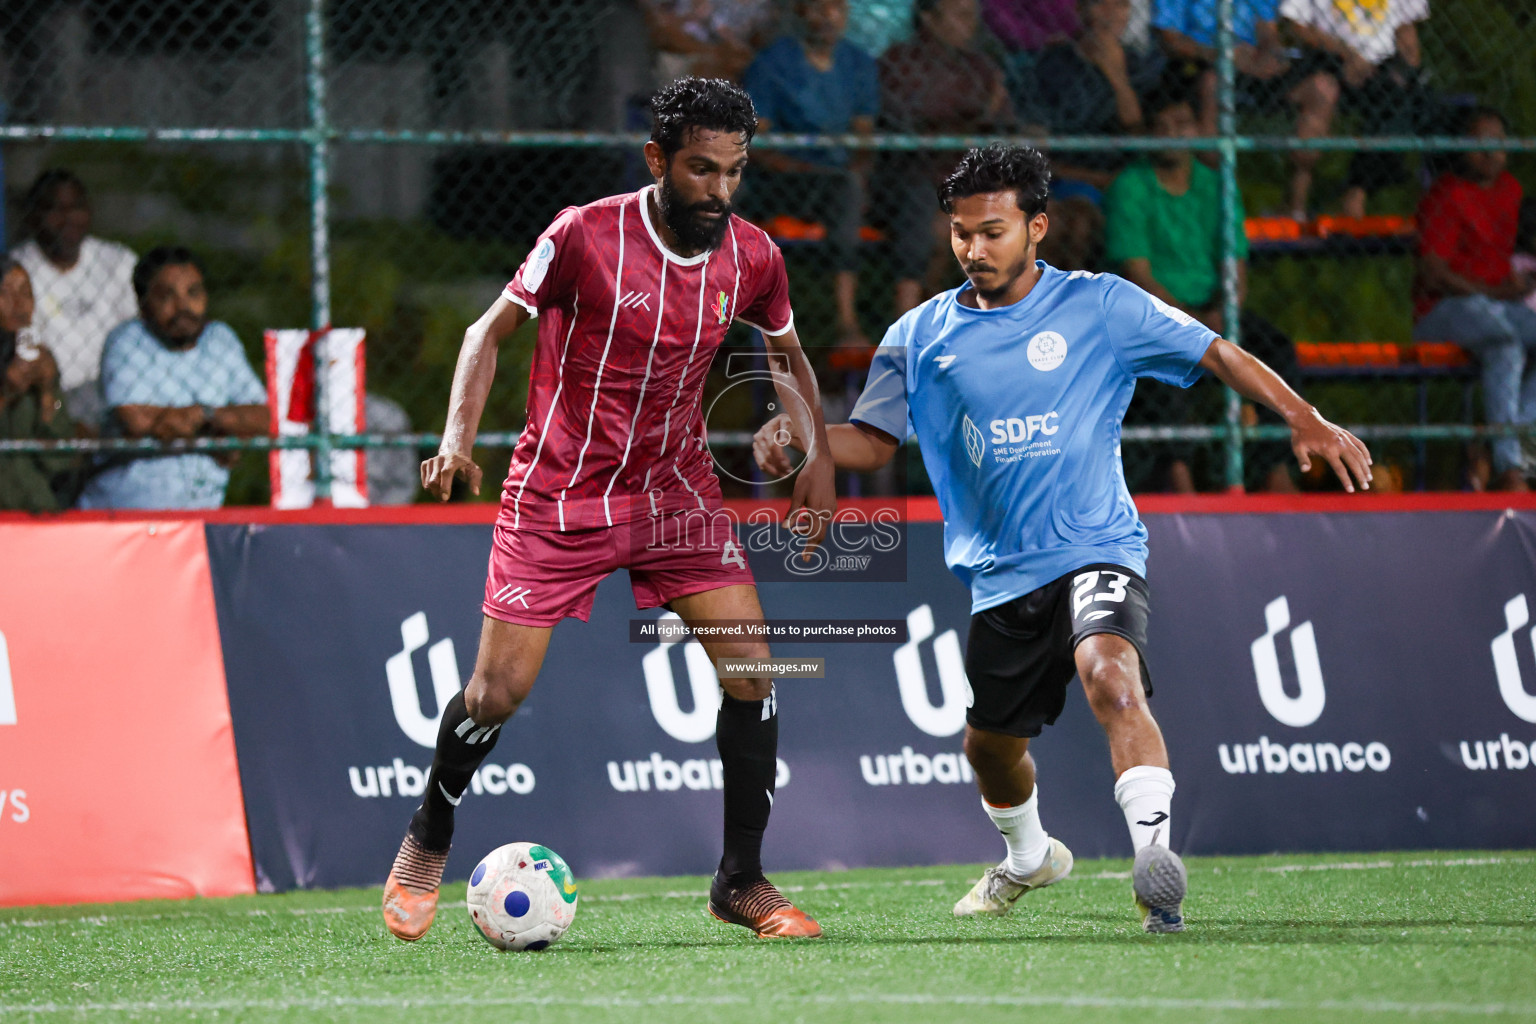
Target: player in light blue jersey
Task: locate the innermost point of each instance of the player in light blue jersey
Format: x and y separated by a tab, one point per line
1014	385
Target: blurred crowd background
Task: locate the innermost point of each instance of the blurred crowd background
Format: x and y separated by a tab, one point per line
179	178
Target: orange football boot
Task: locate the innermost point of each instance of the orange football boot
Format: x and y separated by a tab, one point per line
410	892
760	907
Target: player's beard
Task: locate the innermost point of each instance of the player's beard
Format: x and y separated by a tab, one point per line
692	232
1000	283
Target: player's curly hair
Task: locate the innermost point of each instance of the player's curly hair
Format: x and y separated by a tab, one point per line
689	103
1000	168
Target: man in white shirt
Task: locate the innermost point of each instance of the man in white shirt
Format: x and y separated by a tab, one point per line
1376	46
83	285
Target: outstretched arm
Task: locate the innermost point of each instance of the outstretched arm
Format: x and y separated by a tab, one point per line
471	386
854	446
1310	433
815	487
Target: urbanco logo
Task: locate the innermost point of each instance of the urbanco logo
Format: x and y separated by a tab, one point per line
694	726
421	727
1298	712
1307	706
7	690
949	717
1506	753
399	778
1506	665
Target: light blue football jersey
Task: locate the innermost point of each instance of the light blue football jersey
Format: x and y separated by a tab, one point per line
1017	411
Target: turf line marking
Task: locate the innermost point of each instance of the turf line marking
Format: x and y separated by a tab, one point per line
693	894
1464	862
851	999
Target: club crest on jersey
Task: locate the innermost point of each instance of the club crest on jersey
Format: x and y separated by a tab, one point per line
538	265
975	444
1047	350
721	308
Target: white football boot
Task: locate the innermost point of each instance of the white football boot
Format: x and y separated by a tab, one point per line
998	889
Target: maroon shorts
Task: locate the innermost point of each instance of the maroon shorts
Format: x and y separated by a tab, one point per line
538	577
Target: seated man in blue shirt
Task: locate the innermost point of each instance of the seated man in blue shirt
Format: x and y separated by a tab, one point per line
172	374
816	82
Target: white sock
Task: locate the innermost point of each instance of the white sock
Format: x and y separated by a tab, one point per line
1145	794
1028	844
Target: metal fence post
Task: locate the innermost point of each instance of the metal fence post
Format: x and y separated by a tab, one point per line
319	234
1230	306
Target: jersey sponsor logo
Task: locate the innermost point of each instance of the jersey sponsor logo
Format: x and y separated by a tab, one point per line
538	265
948	717
975	444
401	674
1297	712
1015	429
7	689
636	300
1047	350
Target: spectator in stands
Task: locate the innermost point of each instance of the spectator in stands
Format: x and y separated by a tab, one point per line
1091	84
30	404
1468	292
83	284
1267	80
874	26
816	82
1374	45
1163	232
172	374
394	474
1029	26
937	82
711	38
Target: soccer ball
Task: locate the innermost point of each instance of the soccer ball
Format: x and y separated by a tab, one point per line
522	896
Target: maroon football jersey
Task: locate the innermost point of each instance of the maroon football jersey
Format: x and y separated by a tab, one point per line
627	330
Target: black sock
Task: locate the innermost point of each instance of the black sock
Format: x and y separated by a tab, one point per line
747	736
461	746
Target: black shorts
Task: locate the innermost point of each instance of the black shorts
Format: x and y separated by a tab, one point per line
1019	657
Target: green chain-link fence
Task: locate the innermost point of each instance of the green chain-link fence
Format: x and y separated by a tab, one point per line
385	164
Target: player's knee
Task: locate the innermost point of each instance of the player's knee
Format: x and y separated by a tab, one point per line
1113	687
750	688
491	697
744	687
990	751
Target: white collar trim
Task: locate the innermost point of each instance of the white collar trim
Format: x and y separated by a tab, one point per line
650	229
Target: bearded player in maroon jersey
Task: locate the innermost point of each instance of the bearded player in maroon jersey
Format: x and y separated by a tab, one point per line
634	294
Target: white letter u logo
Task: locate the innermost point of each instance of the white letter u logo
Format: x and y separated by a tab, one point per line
694	726
1304	708
1507	666
949	717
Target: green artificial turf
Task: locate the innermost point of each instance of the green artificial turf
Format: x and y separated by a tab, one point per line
1353	938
